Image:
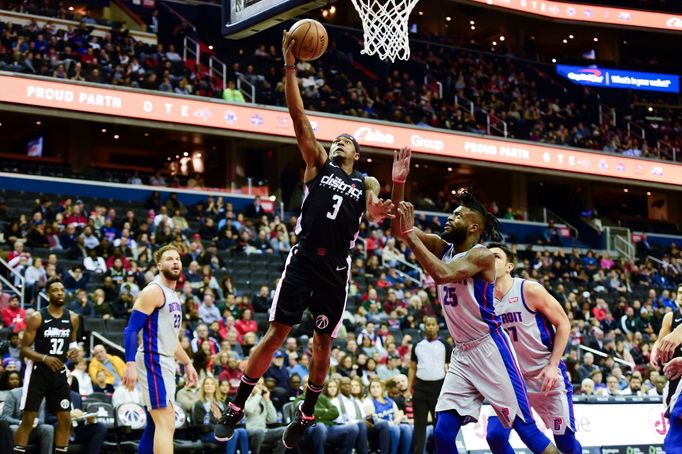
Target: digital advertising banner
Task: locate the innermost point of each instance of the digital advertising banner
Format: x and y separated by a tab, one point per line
270	121
618	78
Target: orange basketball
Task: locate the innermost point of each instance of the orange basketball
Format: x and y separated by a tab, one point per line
310	39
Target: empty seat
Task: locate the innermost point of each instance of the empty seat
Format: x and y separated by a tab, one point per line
91	324
117	325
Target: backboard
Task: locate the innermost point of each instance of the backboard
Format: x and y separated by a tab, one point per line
243	18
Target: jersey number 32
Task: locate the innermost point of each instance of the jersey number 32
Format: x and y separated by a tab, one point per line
57	346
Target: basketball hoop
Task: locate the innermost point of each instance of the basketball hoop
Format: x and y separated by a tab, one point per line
385	27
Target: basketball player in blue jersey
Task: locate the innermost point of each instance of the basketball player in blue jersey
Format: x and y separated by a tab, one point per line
538	328
158	313
317	270
483	364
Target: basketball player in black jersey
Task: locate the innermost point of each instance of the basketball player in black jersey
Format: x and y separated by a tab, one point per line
317	269
49	339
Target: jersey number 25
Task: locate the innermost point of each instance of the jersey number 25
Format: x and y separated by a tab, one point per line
450	297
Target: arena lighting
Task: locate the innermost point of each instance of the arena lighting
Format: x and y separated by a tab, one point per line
494	43
332	10
369	159
325	13
116	136
210	47
554	60
449	169
570	36
626	190
648	193
39	122
198	155
146	134
472	22
502	38
565	41
273	198
473	27
104	130
651	109
595	39
421	13
448	18
70	8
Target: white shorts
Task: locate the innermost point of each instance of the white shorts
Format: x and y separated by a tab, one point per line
156	374
485	369
556	407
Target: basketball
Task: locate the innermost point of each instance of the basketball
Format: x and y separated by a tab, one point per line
311	39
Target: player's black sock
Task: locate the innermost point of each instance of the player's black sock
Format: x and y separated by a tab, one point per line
244	390
312	392
61	449
18	449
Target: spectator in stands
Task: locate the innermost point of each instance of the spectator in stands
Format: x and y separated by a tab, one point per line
82	378
42	433
36	236
187	396
208	311
75	279
193	275
390	369
280	374
13	316
384	408
634	387
112	366
9	380
612	386
94	263
232	93
201	336
35	277
587	387
630	323
246	324
18	259
262	301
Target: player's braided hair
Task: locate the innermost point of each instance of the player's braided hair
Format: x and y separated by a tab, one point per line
491	226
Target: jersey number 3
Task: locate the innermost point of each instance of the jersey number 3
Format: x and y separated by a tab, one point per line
335	208
57	347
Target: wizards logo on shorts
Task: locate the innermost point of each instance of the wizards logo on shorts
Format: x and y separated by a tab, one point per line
321	322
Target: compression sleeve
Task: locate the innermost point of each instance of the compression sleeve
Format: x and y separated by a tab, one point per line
135	324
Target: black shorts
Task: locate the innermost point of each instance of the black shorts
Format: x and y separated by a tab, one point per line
45	383
314	281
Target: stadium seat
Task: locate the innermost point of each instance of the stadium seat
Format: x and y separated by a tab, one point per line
116	324
96	397
105	412
287	412
182	424
91	324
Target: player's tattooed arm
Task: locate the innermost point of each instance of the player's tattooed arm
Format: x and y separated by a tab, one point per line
666	327
376	208
313	152
399	174
475	261
539	299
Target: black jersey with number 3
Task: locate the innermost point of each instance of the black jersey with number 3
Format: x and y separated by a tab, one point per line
54	335
333	205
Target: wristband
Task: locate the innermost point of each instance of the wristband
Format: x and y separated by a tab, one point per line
73	345
407	231
43	360
289	66
399	181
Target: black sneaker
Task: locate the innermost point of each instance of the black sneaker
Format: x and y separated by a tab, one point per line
296	428
224	429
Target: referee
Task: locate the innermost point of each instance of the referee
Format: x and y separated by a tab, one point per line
428	365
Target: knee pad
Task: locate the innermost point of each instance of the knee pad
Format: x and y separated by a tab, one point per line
531	436
567	443
497	436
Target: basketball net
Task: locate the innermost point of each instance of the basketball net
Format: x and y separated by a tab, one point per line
385	26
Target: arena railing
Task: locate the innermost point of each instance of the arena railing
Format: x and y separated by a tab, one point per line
18	277
605	355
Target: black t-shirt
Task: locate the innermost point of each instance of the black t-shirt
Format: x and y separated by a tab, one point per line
333	205
54	335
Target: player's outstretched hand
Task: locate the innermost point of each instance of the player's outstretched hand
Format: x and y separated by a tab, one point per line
401	164
673	370
192	376
550	377
406	214
653	358
379	209
668	345
289	58
130	376
53	363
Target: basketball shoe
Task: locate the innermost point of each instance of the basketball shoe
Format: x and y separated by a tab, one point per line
296	428
224	428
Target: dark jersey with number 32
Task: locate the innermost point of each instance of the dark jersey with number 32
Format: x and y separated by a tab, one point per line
333	206
54	335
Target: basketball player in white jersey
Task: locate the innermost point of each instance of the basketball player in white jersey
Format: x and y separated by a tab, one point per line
538	328
158	313
483	364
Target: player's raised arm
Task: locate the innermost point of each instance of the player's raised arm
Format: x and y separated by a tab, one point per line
475	261
666	327
313	152
539	299
149	299
399	173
